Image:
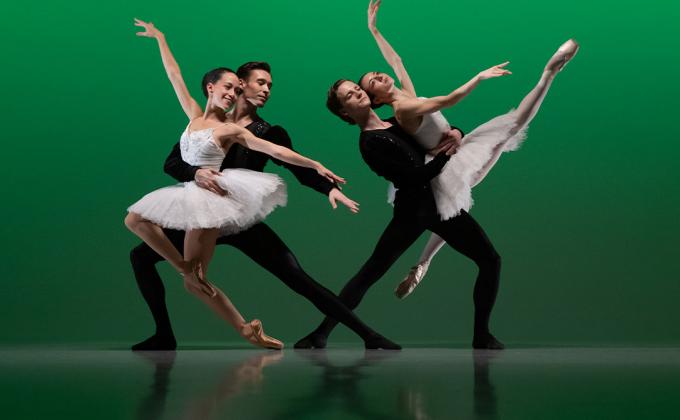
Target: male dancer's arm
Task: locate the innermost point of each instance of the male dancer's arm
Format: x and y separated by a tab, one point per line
177	168
306	176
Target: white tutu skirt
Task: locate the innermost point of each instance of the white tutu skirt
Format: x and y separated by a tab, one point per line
251	196
452	188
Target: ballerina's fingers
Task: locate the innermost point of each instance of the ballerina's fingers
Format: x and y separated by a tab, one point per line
334	178
149	29
500	70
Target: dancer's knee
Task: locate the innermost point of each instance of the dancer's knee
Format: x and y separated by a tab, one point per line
132	221
491	260
143	256
137	255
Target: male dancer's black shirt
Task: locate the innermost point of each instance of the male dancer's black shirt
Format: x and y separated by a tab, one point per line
242	157
394	155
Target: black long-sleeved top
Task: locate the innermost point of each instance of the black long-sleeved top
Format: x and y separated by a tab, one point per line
395	156
242	157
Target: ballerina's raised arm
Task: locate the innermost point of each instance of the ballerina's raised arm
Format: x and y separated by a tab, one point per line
390	55
409	105
189	104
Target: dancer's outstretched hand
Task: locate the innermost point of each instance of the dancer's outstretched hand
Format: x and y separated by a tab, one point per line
326	173
495	71
373	14
150	31
337	195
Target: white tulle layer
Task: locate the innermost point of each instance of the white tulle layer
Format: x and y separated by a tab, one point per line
452	188
251	197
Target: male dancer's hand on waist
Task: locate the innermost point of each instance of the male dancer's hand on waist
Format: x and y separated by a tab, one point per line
448	144
207	178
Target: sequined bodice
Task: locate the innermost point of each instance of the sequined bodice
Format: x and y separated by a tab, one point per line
199	149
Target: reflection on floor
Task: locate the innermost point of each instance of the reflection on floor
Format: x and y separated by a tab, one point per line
547	383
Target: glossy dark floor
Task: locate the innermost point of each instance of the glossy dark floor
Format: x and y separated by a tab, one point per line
547	383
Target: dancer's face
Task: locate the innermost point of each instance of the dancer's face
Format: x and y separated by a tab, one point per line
353	99
225	90
377	84
257	87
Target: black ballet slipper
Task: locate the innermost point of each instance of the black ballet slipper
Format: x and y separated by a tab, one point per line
486	341
312	341
156	343
381	342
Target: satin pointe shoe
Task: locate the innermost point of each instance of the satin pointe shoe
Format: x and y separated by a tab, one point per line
196	279
564	53
259	338
412	279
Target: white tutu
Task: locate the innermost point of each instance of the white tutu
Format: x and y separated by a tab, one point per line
251	196
452	188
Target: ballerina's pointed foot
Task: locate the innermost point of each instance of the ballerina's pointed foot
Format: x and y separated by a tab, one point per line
486	341
380	342
564	54
311	341
195	278
253	332
412	279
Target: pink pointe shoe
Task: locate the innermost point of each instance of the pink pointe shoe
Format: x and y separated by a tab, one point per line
196	279
412	279
257	336
564	53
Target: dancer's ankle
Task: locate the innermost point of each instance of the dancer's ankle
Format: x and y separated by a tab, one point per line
156	343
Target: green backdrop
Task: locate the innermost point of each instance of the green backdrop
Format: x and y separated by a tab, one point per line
583	215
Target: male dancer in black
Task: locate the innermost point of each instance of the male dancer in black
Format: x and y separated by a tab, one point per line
391	153
260	243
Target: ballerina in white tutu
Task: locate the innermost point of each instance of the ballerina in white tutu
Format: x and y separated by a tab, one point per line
203	214
476	153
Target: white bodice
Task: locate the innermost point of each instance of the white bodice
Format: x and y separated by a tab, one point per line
431	129
199	149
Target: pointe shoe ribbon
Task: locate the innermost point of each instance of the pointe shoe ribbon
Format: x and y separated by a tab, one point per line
196	279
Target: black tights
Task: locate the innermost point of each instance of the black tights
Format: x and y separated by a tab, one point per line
263	246
461	232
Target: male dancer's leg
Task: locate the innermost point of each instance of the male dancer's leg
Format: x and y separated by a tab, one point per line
263	246
465	235
144	261
400	233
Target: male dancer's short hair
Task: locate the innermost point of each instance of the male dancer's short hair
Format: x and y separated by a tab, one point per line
213	76
333	102
244	70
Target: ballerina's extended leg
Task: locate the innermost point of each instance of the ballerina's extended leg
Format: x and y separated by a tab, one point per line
531	103
200	245
525	112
